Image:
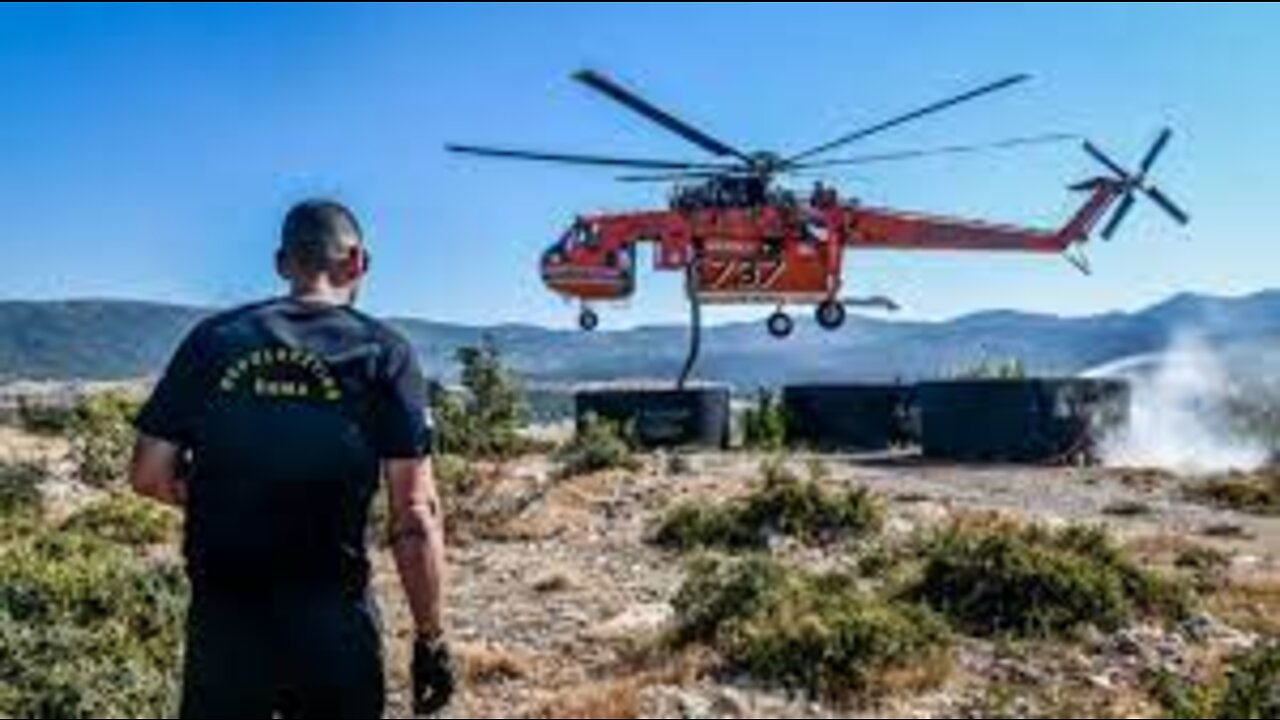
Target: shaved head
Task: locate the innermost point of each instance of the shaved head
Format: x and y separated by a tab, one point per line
318	235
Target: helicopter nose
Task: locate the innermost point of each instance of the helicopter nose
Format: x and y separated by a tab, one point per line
553	264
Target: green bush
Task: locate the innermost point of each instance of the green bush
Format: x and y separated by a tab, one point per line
20	490
483	421
782	505
597	446
88	629
1002	579
1253	685
1249	690
1208	568
764	426
127	520
813	633
46	418
102	437
719	591
1257	493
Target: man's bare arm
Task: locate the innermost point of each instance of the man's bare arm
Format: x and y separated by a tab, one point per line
154	472
417	541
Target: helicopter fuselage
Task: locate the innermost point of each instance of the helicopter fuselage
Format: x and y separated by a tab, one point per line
777	253
785	252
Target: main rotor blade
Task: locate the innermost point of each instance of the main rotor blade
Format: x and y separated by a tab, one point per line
912	116
575	159
1122	213
1115	167
602	84
1012	143
1154	154
1169	206
675	177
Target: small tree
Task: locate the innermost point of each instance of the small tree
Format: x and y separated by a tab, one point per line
765	424
597	446
484	421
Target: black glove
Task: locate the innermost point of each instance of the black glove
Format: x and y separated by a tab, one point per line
434	679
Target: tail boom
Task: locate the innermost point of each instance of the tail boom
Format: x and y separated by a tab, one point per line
882	229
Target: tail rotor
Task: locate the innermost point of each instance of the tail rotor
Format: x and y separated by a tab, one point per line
1132	185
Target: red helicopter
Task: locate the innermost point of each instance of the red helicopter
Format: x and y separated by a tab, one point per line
740	238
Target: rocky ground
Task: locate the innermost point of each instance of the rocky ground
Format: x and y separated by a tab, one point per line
557	603
556	607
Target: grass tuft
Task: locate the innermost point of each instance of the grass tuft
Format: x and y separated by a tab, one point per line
782	505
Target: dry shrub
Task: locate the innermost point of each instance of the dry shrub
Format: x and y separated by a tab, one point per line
1009	579
783	504
554	583
1257	493
817	634
1251	604
620	692
489	665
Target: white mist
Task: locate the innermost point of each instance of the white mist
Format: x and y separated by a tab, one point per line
1179	419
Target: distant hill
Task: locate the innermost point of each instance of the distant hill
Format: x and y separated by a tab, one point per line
113	340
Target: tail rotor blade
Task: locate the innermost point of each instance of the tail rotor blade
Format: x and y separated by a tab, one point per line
1121	214
1105	159
1132	187
1156	150
1175	211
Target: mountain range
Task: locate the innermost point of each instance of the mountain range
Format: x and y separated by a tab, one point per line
118	340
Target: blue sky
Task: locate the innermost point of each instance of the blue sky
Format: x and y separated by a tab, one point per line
149	151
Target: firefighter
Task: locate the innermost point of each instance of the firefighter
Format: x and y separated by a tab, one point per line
291	412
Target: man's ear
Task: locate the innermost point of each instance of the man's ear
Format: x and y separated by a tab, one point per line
357	264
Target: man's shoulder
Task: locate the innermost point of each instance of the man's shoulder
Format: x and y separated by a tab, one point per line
381	331
234	324
222	320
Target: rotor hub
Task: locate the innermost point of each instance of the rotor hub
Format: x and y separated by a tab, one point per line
767	163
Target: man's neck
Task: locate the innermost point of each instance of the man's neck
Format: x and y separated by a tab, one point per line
320	296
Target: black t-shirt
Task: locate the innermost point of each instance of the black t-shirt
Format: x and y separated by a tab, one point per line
287	409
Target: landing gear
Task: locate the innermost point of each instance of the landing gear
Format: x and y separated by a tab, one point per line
831	315
781	325
588	320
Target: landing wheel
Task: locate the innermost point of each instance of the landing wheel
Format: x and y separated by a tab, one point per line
831	315
588	320
781	325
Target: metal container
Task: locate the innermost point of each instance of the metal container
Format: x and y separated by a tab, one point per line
848	417
1024	421
662	418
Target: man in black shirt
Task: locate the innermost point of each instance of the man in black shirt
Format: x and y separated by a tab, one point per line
291	412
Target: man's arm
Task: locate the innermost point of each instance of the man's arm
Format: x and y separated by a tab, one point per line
154	471
417	541
168	423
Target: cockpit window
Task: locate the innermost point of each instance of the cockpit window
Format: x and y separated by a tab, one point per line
580	235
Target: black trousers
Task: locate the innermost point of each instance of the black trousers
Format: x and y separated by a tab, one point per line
314	653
